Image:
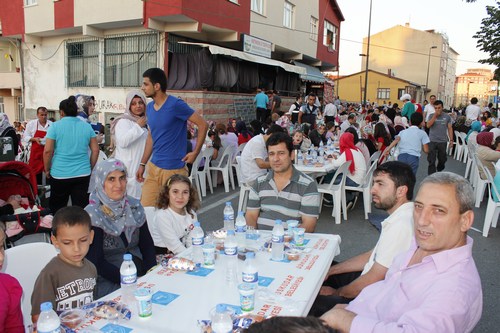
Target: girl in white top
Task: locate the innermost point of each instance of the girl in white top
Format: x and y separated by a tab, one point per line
174	216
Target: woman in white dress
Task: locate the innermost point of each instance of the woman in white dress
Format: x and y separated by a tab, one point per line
129	132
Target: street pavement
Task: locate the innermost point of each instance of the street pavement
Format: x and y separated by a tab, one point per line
359	235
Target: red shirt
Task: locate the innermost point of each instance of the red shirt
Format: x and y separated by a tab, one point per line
11	316
242	139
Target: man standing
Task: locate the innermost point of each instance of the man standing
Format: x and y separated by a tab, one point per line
167	120
440	130
473	110
429	108
276	104
261	100
254	156
392	191
434	286
284	193
408	107
309	111
330	112
35	132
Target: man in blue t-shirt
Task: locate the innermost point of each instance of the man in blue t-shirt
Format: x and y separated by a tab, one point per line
261	100
167	136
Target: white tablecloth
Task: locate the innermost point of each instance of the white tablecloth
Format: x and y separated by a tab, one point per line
295	287
316	170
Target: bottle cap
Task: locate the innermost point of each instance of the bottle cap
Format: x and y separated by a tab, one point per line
230	232
228	203
127	256
46	306
196	224
240	213
250	255
220	308
277	222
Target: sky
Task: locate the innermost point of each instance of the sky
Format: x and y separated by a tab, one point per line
458	19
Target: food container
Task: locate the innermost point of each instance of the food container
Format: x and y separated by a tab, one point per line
292	255
72	318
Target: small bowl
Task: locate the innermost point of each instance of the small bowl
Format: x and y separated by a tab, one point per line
292	255
72	318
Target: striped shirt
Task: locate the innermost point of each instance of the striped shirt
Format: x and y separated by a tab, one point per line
298	198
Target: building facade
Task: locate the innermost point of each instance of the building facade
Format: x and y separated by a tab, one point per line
424	57
477	82
231	47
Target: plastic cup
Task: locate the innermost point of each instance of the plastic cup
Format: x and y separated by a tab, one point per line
247	296
144	305
208	255
298	236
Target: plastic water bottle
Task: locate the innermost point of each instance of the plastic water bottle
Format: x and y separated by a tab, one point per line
231	257
300	158
314	154
128	279
221	320
250	273
228	216
278	240
48	321
240	227
197	240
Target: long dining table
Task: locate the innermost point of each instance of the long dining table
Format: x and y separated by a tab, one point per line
180	298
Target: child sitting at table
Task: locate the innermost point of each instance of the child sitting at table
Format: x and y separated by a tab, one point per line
69	279
11	316
175	215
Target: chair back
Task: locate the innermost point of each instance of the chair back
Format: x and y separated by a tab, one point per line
491	180
25	262
207	155
367	181
226	157
374	158
340	172
238	170
239	151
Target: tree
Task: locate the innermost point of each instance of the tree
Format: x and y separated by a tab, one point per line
489	35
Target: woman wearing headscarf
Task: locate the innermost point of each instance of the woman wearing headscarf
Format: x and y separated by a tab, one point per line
129	133
119	224
486	153
398	124
66	160
86	108
244	134
7	130
475	128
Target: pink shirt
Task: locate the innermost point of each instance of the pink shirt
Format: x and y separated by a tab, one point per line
11	316
441	294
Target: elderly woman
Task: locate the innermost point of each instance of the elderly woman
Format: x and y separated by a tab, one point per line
486	153
66	160
129	132
119	225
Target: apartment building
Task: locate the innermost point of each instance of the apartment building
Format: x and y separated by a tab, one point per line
476	82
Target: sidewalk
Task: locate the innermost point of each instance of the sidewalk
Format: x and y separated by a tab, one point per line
358	236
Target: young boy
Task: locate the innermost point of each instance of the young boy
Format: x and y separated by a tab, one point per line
68	280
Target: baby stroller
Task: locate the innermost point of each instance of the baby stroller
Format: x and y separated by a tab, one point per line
18	179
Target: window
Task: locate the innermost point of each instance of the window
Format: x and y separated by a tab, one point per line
2	106
383	93
257	6
330	36
83	63
127	57
20	113
234	1
313	29
288	15
30	2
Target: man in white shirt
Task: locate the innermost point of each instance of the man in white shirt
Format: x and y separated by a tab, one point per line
35	132
253	160
330	112
351	119
473	110
392	190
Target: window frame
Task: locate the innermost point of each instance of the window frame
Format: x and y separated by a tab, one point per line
313	28
330	27
28	3
88	62
384	93
288	13
257	6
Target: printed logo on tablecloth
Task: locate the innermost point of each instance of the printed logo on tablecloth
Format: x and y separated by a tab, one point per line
307	262
200	271
114	328
265	281
289	285
321	244
235	308
163	298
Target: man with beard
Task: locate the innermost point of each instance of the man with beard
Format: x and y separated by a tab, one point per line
392	191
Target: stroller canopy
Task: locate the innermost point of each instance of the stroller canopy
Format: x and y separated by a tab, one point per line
17	178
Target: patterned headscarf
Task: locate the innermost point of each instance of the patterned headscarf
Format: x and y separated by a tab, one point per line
346	143
4	122
485	139
114	217
127	114
82	102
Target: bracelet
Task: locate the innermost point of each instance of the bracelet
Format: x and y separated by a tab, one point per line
143	164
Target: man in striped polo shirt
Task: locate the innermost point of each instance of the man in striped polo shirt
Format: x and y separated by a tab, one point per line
284	193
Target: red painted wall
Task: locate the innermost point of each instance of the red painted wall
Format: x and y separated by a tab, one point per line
12	17
326	12
64	14
219	13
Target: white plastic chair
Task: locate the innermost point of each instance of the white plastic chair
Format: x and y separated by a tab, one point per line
195	176
374	158
459	146
365	188
493	207
480	183
465	150
204	174
224	166
471	151
337	192
25	262
244	188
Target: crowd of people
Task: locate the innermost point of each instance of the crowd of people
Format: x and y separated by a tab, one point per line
141	201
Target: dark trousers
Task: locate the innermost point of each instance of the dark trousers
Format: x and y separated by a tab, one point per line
411	160
436	149
322	303
62	189
261	115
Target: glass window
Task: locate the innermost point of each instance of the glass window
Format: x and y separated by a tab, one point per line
20	113
83	63
2	106
288	15
257	6
234	1
127	57
330	36
383	93
30	2
313	29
